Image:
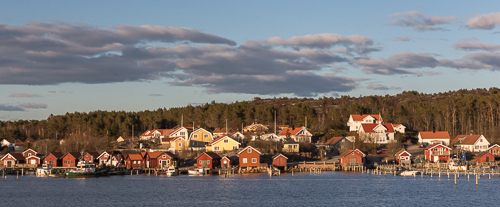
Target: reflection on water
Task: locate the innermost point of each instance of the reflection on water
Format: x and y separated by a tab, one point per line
303	189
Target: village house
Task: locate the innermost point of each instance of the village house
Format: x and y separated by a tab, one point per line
280	128
71	159
177	144
183	132
219	132
29	152
199	139
399	128
249	157
90	157
154	134
256	127
355	120
53	159
134	161
266	137
352	158
160	159
403	157
208	160
300	134
224	143
436	152
225	162
291	146
9	143
485	157
337	144
471	143
12	159
280	160
426	138
33	160
238	136
494	150
376	133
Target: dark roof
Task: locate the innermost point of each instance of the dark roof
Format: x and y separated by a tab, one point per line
76	155
354	150
17	156
93	154
58	155
333	140
291	141
212	155
482	153
172	155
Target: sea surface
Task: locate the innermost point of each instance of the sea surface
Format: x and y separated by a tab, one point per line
303	189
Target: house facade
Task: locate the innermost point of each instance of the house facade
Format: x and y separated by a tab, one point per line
221	144
134	161
33	160
403	157
380	133
12	160
427	138
291	146
436	152
280	160
485	157
494	150
29	152
249	157
177	144
355	120
337	144
399	128
160	159
208	160
352	158
300	134
53	159
471	143
199	138
70	159
154	134
90	157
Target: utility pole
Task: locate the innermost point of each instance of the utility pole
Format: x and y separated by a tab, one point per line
275	123
182	120
226	127
306	121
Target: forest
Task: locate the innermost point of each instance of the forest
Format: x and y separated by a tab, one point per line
458	112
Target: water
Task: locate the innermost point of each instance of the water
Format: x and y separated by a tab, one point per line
304	189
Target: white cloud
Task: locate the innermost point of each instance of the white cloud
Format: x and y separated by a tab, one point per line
325	40
484	21
420	22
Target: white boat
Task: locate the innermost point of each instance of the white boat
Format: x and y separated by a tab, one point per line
171	171
45	170
196	172
409	173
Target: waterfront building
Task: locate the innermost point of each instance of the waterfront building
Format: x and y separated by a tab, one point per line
208	160
403	157
471	143
352	158
280	160
70	159
29	152
436	152
53	159
12	159
134	161
426	138
249	157
90	157
160	159
494	150
225	162
485	157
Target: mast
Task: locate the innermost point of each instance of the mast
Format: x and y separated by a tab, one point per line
182	120
275	122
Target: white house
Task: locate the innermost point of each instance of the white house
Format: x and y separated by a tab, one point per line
376	133
154	133
355	120
471	143
428	137
399	128
299	134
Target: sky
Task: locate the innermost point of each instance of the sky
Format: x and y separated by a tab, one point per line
65	56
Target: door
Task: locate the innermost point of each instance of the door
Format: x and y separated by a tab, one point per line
436	158
33	162
487	159
352	161
147	164
9	163
204	163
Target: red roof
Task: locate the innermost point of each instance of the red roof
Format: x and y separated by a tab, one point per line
135	157
76	155
358	117
333	140
163	132
355	150
466	139
401	151
212	155
58	155
370	128
291	130
17	156
244	149
435	135
435	145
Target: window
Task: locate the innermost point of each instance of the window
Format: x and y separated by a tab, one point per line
180	144
235	147
200	162
208	162
249	150
244	160
195	143
29	154
206	135
206	143
65	161
138	162
183	133
289	146
168	162
72	161
164	156
357	127
254	160
295	146
226	141
195	136
135	162
216	148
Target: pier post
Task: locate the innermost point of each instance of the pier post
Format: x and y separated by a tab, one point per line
17	172
131	171
22	171
477	180
455	179
292	172
468	176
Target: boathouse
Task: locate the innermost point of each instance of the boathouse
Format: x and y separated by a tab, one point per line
33	160
436	152
208	160
494	150
90	157
12	159
485	157
225	162
70	159
29	152
403	157
134	161
53	159
160	159
280	160
249	157
352	158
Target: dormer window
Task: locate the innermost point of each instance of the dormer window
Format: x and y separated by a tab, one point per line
226	141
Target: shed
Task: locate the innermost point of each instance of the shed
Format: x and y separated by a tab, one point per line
352	158
53	159
12	159
485	157
403	157
249	157
33	160
208	160
225	162
280	160
70	159
134	161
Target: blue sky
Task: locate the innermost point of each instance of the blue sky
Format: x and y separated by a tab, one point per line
59	56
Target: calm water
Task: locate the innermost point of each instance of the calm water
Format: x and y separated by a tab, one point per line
328	189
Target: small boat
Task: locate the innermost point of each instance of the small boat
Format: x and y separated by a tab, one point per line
84	170
45	170
171	171
200	171
409	173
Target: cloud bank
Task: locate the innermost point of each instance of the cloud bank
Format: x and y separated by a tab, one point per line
420	22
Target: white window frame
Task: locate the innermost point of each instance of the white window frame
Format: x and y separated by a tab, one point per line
226	141
244	160
216	148
195	136
180	144
254	160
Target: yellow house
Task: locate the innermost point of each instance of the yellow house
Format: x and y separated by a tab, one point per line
178	144
291	146
224	143
200	138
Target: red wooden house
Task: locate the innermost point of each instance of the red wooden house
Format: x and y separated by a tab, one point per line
436	152
71	159
403	157
225	162
134	161
279	160
249	157
28	153
208	160
161	159
12	159
494	150
90	157
352	158
33	160
53	159
485	157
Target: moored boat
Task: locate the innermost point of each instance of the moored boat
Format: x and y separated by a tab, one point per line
200	171
171	171
84	170
45	170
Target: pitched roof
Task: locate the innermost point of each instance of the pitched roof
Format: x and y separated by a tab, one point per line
220	139
434	135
31	150
276	156
495	145
134	156
333	140
358	117
244	149
401	151
163	132
154	154
168	139
354	150
222	130
58	155
290	130
95	155
172	155
76	155
291	141
17	156
370	128
435	145
212	155
466	139
483	153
